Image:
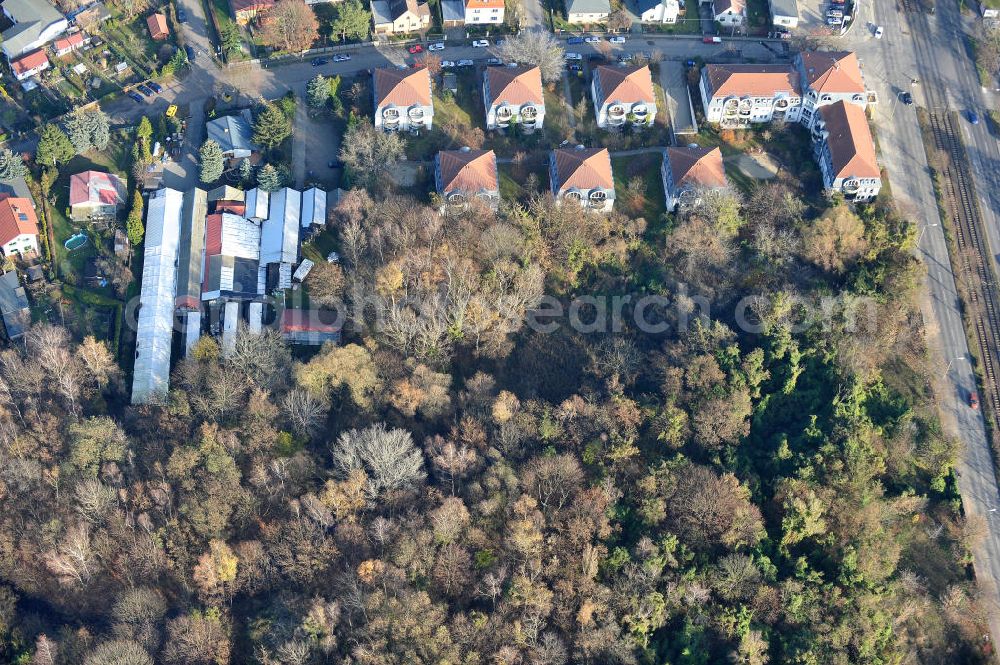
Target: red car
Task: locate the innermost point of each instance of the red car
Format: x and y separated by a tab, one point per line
974	401
416	48
712	40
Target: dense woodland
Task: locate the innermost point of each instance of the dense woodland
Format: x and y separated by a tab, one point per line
452	487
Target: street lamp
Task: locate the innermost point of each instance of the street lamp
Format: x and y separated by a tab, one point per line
950	363
923	229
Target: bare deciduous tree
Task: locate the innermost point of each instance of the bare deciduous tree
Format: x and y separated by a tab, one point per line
535	47
388	457
305	411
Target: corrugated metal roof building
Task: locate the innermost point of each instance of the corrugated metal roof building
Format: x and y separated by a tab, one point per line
151	373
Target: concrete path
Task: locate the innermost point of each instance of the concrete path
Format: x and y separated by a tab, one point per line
678	95
568	100
300	137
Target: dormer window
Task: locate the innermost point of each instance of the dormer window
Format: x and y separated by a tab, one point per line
639	110
390	114
416	113
529	112
826	98
598	197
456	198
504	112
573	195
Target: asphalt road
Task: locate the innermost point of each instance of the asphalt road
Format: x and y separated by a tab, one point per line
931	49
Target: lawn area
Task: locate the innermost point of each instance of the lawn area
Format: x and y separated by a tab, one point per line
639	187
69	265
684	26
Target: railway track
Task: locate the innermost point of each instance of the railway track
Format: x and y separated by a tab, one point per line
973	256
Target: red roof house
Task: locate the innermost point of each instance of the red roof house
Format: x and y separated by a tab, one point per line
95	194
18	225
157	24
68	44
28	65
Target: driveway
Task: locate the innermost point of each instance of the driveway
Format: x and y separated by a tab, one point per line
315	143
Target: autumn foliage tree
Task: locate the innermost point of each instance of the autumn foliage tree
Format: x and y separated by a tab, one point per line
291	26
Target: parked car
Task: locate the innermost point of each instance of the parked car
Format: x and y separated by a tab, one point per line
182	16
466	63
136	97
499	42
155	87
573	67
596	57
575	40
907	98
447	64
416	48
878	32
617	40
833	20
342	57
439	46
494	62
974	400
318	62
573	56
189	52
973	117
783	33
592	39
625	57
481	43
144	90
712	40
171	111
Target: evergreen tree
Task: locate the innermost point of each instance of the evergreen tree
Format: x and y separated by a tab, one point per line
54	147
12	166
133	227
352	20
318	92
88	129
144	134
100	128
268	178
78	131
211	160
229	35
272	127
246	170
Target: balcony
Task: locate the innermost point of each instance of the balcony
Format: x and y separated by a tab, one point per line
529	113
851	186
640	112
730	106
616	114
456	198
504	114
390	115
597	198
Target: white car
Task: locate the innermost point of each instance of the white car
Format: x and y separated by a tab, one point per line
878	32
465	63
573	56
342	57
436	47
592	40
447	64
617	40
481	43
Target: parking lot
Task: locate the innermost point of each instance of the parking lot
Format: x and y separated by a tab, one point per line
812	18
